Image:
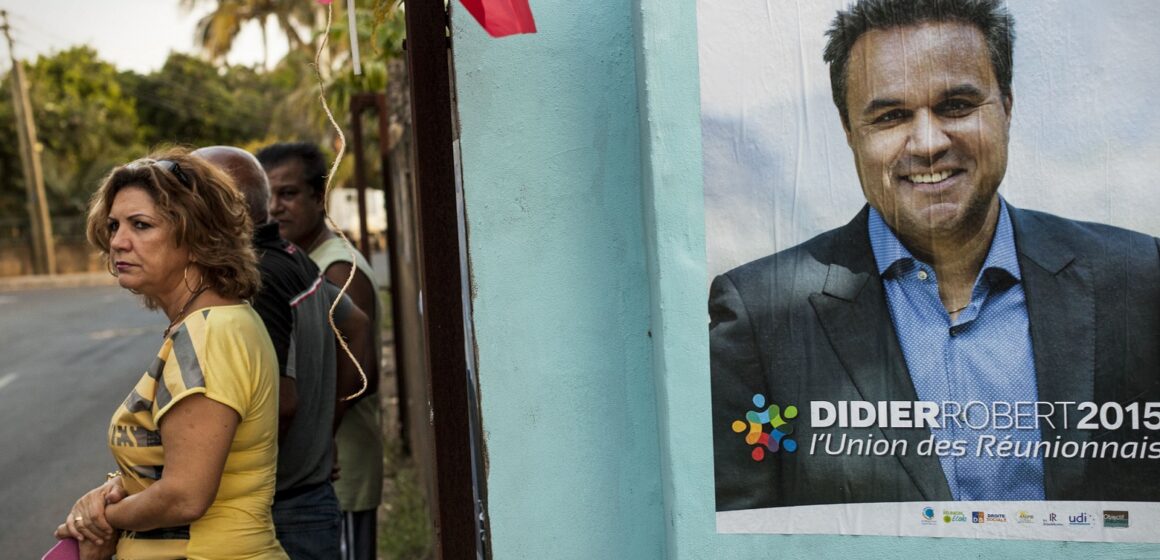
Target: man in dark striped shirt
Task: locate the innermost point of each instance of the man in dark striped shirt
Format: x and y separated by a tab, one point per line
294	303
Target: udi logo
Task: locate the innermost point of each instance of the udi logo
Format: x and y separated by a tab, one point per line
776	438
1079	519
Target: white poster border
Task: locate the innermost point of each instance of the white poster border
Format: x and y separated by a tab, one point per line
1083	521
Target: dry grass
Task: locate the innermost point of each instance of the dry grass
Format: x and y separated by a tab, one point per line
405	531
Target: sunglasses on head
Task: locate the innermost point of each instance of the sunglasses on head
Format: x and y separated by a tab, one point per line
172	167
169	165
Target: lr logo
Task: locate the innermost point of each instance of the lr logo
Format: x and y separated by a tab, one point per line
776	438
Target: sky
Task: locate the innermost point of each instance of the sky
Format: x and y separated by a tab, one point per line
132	34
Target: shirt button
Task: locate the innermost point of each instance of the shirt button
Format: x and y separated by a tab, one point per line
922	275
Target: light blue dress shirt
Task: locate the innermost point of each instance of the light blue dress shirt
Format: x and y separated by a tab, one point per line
984	356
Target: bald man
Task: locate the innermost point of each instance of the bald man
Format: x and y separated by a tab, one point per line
294	304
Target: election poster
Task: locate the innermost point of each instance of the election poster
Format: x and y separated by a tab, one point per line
933	269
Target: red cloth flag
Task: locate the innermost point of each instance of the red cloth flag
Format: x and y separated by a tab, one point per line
502	17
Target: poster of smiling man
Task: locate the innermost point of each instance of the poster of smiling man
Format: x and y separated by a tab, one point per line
934	281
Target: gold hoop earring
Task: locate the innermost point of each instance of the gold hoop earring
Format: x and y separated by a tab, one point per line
109	267
185	277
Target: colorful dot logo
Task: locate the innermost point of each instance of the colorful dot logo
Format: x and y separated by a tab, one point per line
776	438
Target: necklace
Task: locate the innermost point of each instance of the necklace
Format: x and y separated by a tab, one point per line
953	311
184	308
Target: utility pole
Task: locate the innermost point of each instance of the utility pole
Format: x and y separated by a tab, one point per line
43	249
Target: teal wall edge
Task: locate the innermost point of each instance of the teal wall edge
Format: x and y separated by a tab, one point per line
551	165
670	117
581	161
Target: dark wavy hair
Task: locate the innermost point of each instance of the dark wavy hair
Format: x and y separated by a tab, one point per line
988	16
208	213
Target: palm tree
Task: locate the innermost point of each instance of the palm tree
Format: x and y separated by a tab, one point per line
216	31
380	28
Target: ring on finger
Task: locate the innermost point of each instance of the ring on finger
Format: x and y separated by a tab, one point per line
78	519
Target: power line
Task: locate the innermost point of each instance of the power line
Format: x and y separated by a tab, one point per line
39	28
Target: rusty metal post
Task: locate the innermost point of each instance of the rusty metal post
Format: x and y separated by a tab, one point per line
442	281
394	257
358	102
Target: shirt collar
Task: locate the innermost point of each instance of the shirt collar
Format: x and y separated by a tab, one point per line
1000	266
266	233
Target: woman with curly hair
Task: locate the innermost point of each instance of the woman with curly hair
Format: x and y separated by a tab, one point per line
196	438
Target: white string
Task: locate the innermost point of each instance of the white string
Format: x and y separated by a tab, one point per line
326	203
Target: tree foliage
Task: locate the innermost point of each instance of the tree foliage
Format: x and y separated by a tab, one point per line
91	117
12	197
85	123
217	30
190	101
82	111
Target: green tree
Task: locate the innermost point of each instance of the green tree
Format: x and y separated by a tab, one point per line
12	197
296	114
86	123
189	101
381	29
217	30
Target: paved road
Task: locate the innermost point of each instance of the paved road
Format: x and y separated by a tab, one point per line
67	358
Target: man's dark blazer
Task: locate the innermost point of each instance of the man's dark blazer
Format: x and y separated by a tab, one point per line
812	323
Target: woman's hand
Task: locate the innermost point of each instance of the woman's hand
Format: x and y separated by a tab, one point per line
88	549
86	521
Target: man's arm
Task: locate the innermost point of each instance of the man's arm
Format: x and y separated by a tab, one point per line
197	432
354	328
363	293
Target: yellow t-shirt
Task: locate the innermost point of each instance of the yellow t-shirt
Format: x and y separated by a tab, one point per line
224	353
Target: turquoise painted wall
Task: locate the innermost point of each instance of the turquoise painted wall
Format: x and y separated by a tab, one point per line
551	163
581	163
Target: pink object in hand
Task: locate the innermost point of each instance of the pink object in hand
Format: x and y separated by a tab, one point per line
65	549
